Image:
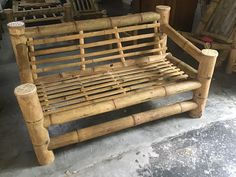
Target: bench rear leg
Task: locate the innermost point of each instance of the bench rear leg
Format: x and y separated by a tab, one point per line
33	115
205	73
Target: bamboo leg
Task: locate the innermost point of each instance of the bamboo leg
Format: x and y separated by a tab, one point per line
205	73
17	31
232	57
33	115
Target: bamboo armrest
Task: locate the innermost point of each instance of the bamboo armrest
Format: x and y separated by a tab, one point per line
182	42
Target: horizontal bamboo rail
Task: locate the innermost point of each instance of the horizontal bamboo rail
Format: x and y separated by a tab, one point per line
120	124
118	103
91	25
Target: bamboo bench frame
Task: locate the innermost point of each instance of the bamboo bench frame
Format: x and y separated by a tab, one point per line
110	86
40	12
86	9
219	14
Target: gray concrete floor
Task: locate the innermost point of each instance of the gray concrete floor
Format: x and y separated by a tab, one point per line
174	147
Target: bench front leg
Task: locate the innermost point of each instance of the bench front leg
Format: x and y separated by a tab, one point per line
205	73
33	115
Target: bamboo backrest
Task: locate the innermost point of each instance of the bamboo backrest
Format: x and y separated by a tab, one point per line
219	20
83	45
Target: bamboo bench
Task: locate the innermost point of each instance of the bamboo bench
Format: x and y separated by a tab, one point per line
39	13
69	74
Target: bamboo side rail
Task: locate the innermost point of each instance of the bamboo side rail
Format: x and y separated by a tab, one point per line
120	124
182	42
118	103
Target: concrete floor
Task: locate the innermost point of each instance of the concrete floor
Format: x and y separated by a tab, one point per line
175	147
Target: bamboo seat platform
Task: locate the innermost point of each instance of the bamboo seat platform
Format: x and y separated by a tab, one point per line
71	74
39	12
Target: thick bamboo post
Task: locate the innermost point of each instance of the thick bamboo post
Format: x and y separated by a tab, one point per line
205	73
120	124
164	12
33	115
17	31
67	12
232	57
24	64
9	15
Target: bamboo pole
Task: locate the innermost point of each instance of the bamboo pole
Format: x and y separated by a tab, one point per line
17	31
92	25
120	124
118	103
232	57
23	64
205	73
33	115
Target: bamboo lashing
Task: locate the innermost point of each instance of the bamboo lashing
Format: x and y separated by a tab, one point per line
67	81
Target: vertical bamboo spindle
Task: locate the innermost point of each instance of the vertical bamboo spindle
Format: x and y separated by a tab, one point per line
33	115
67	12
9	15
205	73
164	12
17	31
232	57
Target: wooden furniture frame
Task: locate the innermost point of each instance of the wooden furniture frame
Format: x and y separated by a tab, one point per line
219	23
99	81
86	9
39	13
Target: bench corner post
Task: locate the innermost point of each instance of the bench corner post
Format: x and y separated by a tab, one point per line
205	72
164	12
27	98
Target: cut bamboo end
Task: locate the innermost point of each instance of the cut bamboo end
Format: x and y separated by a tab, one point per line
210	52
16	28
25	89
120	124
164	12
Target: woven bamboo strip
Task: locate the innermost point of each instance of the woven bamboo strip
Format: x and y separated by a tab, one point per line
122	123
135	98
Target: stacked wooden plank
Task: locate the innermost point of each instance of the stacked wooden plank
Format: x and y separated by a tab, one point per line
69	74
217	30
86	9
34	13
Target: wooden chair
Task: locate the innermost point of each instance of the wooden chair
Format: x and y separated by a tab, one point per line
63	81
86	9
39	12
217	30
